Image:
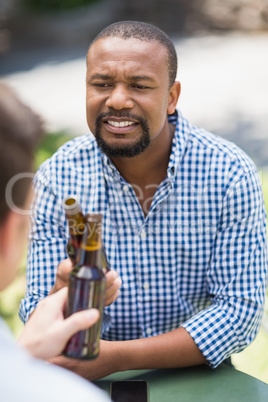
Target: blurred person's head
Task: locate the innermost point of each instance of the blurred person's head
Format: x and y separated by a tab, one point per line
20	130
131	88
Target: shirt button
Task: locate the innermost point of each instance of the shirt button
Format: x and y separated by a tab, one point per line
146	285
148	331
143	234
125	188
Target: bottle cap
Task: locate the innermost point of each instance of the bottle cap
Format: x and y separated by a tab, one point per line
71	205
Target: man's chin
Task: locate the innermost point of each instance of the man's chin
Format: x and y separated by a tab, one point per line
122	151
118	152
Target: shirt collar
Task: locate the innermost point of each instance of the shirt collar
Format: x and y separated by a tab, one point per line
109	168
179	142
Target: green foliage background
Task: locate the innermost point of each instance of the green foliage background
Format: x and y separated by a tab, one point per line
253	360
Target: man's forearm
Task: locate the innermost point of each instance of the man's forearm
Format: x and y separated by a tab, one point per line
173	349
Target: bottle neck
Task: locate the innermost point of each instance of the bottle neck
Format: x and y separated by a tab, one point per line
76	224
90	259
91	245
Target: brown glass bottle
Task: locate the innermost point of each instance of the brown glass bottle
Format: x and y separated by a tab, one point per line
105	263
87	289
76	223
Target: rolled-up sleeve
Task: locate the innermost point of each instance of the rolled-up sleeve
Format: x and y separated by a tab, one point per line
236	275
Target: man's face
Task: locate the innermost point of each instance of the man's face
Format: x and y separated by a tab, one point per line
128	95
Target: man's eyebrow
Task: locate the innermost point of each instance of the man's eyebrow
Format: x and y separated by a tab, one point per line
142	78
132	78
100	77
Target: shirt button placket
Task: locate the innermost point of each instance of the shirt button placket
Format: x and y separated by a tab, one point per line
148	331
146	285
143	234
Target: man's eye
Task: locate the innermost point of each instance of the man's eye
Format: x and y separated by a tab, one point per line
100	85
139	86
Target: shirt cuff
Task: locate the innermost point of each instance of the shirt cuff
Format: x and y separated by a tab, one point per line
27	307
213	332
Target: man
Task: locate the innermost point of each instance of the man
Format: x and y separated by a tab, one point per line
23	378
184	218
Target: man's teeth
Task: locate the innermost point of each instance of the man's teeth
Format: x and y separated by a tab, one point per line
120	123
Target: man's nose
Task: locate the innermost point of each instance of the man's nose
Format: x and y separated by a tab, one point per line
119	98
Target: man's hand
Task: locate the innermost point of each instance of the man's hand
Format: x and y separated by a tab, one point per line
62	276
169	350
113	282
103	365
47	332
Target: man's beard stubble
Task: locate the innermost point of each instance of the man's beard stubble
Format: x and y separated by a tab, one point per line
123	151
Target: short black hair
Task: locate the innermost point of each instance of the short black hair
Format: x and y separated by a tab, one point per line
143	31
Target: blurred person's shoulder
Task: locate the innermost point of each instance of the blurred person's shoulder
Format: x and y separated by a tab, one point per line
26	379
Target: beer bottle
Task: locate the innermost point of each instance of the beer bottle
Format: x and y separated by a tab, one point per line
77	223
105	263
87	289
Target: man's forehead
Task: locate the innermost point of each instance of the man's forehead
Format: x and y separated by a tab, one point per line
116	43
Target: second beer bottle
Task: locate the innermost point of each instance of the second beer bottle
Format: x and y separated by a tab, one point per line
87	289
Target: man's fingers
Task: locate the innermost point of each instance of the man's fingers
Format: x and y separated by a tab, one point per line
112	291
114	286
64	268
80	321
62	277
112	298
59	298
113	282
110	276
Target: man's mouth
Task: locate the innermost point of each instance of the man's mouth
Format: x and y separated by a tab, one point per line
121	123
120	126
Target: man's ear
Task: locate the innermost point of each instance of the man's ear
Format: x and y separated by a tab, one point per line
11	244
9	234
174	94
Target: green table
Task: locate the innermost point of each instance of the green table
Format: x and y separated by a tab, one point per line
195	384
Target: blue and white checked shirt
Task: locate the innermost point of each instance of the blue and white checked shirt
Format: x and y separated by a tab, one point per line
197	260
